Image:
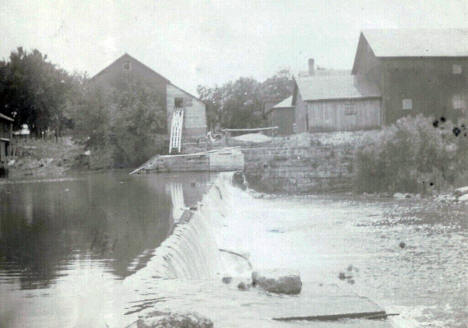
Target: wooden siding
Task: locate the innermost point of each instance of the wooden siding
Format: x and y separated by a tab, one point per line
194	112
300	112
284	119
331	115
114	74
428	81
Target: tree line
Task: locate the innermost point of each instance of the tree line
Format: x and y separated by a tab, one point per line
125	125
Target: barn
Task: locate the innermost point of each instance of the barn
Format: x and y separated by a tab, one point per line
335	103
418	71
188	110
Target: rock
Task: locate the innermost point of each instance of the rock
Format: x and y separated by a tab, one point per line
278	282
402	245
463	198
342	276
243	286
227	280
399	195
174	320
461	191
239	181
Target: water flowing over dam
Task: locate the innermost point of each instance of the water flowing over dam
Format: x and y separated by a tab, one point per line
192	251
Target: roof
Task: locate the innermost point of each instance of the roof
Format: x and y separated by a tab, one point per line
418	42
8	118
285	103
127	56
315	88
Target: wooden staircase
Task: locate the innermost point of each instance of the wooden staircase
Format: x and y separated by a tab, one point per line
177	125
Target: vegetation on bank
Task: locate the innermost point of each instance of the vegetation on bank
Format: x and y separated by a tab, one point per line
122	127
43	157
415	155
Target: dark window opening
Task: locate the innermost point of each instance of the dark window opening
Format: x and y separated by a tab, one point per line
179	102
127	65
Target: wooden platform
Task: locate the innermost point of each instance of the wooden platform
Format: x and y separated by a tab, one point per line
326	306
225	159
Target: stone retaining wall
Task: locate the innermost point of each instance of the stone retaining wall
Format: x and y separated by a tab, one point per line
300	169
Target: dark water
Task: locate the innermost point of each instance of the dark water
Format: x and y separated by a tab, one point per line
108	223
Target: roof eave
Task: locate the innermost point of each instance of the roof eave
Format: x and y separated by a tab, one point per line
342	98
422	57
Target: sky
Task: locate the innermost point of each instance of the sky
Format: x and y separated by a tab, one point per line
193	42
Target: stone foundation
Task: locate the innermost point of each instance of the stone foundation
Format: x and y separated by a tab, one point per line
310	169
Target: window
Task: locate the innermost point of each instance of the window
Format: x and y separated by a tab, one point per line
179	102
349	108
456	69
458	102
407	104
127	66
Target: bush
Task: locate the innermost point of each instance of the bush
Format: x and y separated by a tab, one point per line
416	155
121	128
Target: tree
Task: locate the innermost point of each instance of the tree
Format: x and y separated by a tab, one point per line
34	91
124	126
240	103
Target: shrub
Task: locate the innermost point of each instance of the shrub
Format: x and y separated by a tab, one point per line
121	128
413	155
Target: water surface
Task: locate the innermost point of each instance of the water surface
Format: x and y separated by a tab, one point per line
65	242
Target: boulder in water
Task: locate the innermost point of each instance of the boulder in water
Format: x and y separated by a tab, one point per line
461	191
174	320
243	286
239	180
278	282
227	280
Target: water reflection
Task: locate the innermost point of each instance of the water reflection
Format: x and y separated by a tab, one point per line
110	217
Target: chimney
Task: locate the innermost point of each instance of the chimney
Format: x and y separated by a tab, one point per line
311	66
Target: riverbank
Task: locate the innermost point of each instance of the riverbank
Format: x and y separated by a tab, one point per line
38	158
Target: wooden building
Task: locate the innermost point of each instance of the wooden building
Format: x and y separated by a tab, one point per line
335	103
416	71
6	130
282	115
126	68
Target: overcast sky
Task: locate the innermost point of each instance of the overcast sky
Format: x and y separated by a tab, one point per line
209	42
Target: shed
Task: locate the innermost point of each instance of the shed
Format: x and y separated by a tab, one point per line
6	129
336	103
282	115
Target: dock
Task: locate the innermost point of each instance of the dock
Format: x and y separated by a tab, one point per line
217	160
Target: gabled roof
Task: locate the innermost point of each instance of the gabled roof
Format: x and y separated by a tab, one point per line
285	103
128	57
8	118
418	42
315	88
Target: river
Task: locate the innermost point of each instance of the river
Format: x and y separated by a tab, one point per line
98	250
66	243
